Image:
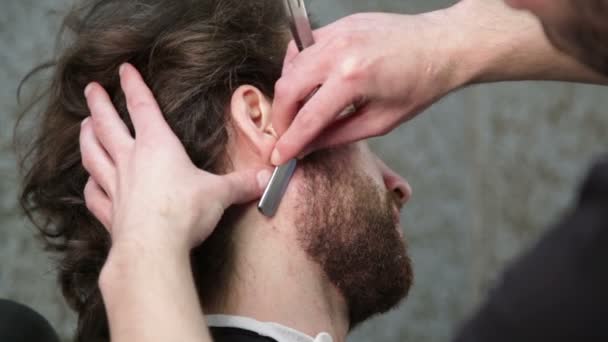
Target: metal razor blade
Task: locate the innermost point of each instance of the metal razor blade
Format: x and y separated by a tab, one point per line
301	31
302	34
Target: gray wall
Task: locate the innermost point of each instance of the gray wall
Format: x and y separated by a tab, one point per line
491	168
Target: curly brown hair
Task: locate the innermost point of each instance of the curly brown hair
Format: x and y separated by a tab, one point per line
193	54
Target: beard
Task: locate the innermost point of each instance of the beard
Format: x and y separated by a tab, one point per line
584	34
346	224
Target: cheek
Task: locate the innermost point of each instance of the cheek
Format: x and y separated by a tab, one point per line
367	162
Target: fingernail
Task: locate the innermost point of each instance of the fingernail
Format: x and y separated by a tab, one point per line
302	155
276	157
88	89
305	153
85	121
121	70
263	178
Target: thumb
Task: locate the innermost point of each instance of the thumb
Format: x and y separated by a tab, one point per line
244	186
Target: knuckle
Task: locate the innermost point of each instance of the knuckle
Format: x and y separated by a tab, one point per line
306	122
90	204
343	41
89	194
87	127
352	68
122	151
281	88
292	48
288	67
98	126
87	161
140	106
96	121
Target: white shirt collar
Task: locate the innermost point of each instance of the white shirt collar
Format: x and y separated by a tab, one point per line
275	331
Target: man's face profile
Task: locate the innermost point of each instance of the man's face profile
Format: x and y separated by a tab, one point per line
348	223
343	213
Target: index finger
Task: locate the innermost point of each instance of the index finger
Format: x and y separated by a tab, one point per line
317	114
141	104
310	69
303	72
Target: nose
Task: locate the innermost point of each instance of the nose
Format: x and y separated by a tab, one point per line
395	183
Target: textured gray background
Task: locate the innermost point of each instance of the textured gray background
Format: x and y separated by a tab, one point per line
491	168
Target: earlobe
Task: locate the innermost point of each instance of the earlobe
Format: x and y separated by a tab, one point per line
251	114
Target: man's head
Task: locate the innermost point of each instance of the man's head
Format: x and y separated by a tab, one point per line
343	203
578	27
194	55
345	209
212	65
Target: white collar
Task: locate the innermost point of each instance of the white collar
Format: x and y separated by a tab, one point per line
273	330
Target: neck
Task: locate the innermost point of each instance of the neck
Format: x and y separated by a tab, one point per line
274	281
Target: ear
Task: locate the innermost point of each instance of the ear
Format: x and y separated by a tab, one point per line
251	115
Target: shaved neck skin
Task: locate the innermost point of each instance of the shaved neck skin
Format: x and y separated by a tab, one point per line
274	281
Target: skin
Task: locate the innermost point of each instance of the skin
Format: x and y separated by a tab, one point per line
151	232
153	227
148	271
578	28
361	59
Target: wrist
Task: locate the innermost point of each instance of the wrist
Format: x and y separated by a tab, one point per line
135	261
488	41
149	294
502	44
454	56
470	53
149	234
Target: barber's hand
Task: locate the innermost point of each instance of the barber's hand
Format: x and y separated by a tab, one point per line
390	66
147	190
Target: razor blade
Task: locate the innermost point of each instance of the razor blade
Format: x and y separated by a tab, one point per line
301	31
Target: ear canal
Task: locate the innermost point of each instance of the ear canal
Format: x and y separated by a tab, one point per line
256	117
255	114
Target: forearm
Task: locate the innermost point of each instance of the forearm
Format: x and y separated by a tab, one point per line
491	42
149	295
